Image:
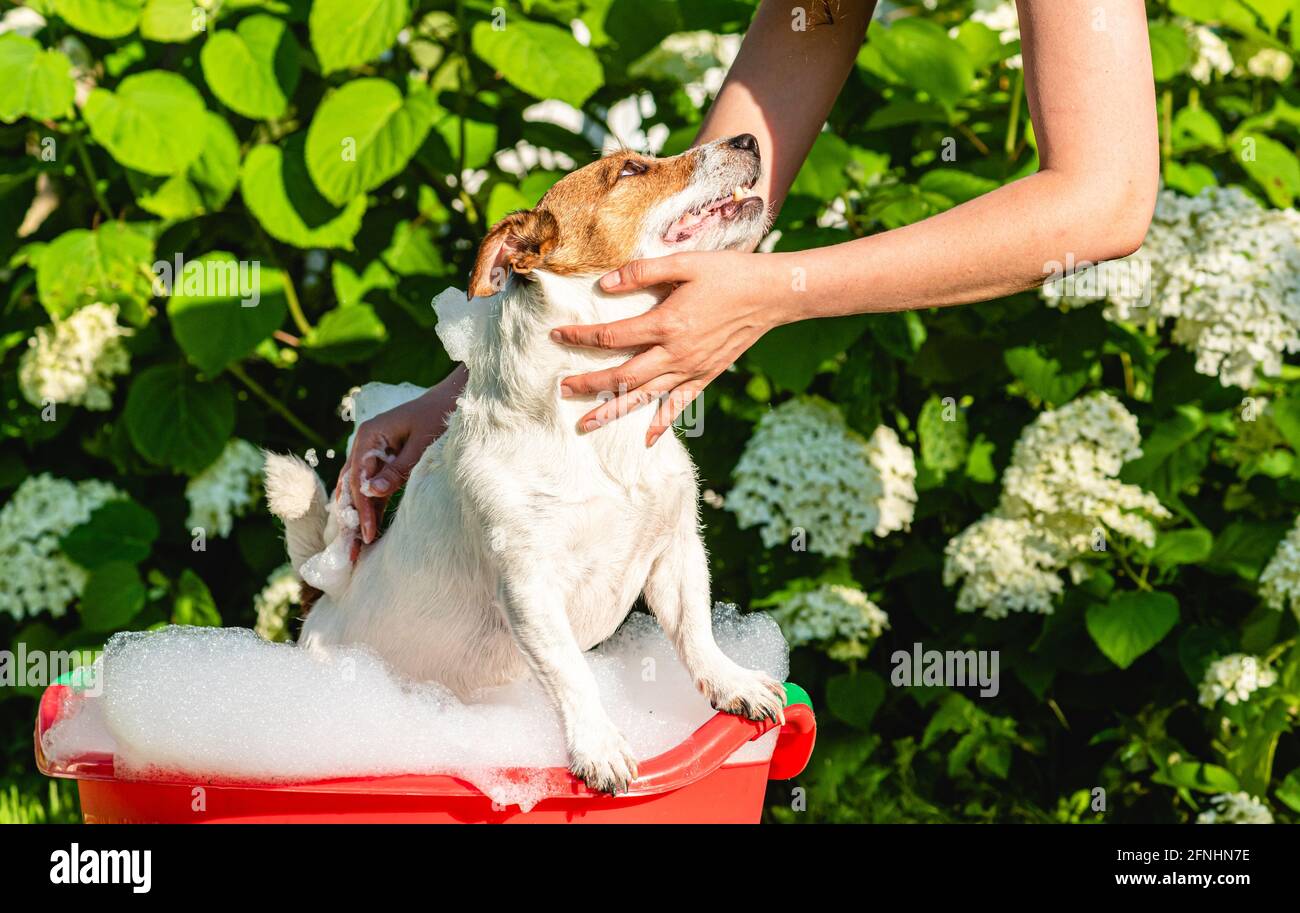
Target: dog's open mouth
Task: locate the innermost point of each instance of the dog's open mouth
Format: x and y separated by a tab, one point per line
723	209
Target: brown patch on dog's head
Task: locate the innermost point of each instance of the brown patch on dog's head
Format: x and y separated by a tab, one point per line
601	216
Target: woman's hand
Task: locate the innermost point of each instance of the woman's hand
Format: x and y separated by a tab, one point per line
720	304
404	432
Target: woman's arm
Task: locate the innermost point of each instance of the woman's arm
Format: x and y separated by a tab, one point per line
1091	94
784	81
405	431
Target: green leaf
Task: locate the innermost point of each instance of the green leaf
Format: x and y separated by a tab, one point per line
363	134
34	82
543	60
117	531
153	122
210	319
1195	128
942	429
793	354
345	334
110	264
172	21
1173	455
281	196
1271	165
1130	623
1244	547
113	595
1043	376
348	33
1180	546
194	604
1206	778
823	175
176	421
855	697
957	186
206	184
254	68
1288	792
503	200
920	54
101	18
1170	52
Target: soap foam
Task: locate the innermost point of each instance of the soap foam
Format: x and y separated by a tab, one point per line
225	705
462	322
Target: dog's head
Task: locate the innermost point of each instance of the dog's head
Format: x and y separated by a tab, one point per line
627	206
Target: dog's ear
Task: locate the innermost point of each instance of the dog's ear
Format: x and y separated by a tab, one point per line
520	243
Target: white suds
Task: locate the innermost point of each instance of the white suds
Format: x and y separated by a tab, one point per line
223	704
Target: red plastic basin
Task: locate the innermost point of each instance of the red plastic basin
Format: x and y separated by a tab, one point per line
690	783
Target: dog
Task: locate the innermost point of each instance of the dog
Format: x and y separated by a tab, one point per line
521	542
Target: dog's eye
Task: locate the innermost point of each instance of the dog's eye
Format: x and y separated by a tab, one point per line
632	167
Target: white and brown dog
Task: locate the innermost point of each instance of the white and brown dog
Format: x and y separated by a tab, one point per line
521	542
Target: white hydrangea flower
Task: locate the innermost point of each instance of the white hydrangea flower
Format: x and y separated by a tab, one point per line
1234	679
1003	19
1005	566
1059	494
1062	475
226	489
896	465
1279	584
805	469
1270	63
283	590
1235	808
1211	53
38	577
841	617
1223	269
73	360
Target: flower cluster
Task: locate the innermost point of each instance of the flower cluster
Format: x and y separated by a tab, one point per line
73	360
1235	808
1212	57
1060	500
1223	269
226	489
1234	679
805	469
1279	584
38	577
283	590
1270	63
841	618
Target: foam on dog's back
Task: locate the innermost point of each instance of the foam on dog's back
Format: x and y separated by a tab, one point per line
223	704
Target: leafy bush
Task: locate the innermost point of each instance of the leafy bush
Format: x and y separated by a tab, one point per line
1140	612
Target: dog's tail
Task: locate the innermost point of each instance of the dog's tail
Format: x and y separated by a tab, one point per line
295	494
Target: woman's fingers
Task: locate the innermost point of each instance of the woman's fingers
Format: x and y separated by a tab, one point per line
670	407
632	333
633	373
626	402
645	273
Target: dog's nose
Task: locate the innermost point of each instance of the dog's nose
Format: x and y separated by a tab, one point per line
745	141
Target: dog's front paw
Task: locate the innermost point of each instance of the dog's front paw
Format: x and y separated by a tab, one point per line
745	692
601	758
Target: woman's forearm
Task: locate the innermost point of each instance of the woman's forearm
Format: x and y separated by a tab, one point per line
784	82
1090	91
1004	242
